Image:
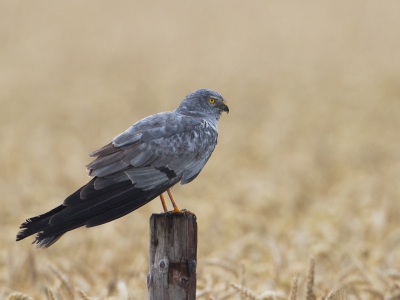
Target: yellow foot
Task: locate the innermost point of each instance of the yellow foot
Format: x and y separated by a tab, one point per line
176	210
187	212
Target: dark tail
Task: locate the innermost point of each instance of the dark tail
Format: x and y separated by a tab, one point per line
89	207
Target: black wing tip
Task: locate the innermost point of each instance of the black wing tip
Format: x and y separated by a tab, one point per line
29	221
24	227
46	242
39	241
21	235
32	225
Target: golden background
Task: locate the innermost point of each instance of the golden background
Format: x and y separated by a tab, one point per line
307	164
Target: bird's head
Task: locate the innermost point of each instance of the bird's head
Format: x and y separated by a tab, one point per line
203	102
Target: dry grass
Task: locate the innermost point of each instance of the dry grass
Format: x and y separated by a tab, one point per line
307	163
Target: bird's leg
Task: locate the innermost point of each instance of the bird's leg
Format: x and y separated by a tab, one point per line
176	209
163	203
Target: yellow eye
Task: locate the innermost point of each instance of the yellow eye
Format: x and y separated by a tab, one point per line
211	100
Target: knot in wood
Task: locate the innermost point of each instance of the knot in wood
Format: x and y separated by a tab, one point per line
183	281
162	266
181	272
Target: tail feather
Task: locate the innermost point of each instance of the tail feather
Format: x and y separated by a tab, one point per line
88	191
124	208
51	231
47	242
88	208
35	224
95	208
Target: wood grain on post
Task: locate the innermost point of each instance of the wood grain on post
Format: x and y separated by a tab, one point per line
173	257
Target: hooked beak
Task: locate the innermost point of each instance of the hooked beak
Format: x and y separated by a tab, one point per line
225	107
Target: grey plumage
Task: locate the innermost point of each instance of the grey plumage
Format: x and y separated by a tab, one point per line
138	165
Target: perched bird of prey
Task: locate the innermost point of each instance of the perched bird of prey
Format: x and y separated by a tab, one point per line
140	164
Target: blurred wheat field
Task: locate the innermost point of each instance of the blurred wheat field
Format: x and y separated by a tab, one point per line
306	169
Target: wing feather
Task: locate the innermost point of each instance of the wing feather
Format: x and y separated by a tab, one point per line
141	159
105	160
109	169
148	177
103	182
105	150
185	151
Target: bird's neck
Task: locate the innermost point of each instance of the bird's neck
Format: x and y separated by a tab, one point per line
211	120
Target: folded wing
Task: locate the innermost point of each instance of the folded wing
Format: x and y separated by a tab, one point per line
140	164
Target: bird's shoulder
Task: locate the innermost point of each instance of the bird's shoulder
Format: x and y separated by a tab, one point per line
161	125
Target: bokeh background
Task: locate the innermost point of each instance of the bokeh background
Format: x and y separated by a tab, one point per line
307	163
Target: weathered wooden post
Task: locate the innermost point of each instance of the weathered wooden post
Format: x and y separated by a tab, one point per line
173	257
